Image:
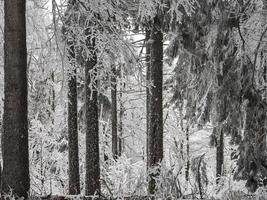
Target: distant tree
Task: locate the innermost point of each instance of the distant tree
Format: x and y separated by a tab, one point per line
187	168
147	37
114	118
15	176
121	110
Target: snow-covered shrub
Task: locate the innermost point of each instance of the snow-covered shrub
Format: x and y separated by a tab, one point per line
168	185
124	177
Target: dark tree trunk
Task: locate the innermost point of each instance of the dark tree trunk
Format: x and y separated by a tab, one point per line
187	155
155	134
53	105
92	177
114	113
219	154
220	95
15	122
74	175
148	32
0	174
121	113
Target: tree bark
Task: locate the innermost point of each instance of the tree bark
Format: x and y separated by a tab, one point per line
155	134
187	155
74	175
92	177
121	113
219	155
114	113
220	95
15	175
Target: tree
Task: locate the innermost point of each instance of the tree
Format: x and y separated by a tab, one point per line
69	39
74	175
15	175
95	34
92	177
114	120
220	102
219	153
155	133
228	89
121	110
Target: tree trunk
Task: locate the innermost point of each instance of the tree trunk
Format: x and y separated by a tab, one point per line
264	19
219	154
74	175
114	113
220	98
121	113
92	177
155	134
53	105
187	155
15	175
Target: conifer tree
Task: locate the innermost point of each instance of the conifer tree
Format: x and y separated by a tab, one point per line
15	176
155	131
92	163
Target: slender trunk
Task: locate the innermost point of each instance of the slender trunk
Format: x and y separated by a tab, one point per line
264	19
114	113
53	105
0	173
92	177
219	155
187	155
15	122
74	175
199	177
51	99
121	113
155	135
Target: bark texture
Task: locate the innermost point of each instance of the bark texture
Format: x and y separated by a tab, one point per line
121	113
15	175
70	40
92	177
74	175
155	134
222	68
187	155
114	113
219	156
